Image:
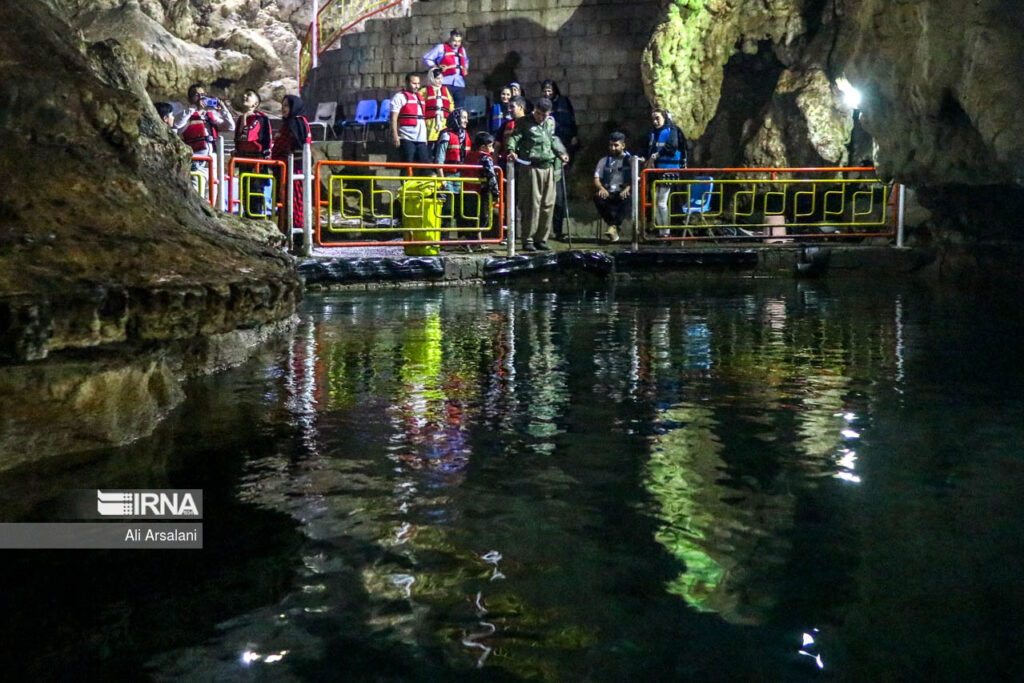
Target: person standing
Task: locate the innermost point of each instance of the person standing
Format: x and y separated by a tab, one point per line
199	125
517	108
166	113
563	114
408	129
478	199
439	104
291	139
534	147
452	148
451	58
501	111
665	149
253	136
613	178
202	120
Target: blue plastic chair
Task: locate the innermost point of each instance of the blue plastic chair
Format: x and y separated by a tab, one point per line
383	117
701	191
366	112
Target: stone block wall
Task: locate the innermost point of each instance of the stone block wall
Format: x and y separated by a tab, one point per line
592	48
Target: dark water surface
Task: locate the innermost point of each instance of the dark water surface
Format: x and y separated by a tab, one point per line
724	481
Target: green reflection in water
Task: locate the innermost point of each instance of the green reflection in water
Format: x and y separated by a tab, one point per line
682	470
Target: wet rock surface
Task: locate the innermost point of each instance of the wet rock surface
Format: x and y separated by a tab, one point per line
102	239
93	399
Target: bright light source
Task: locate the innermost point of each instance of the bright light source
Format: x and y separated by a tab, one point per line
851	96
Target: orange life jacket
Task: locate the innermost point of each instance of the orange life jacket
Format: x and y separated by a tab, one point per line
454	61
438	99
200	131
412	111
253	134
457	150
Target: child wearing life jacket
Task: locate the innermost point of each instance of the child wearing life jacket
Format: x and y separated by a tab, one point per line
482	155
293	135
253	140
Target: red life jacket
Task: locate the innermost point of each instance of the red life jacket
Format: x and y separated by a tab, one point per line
438	99
412	111
200	131
454	61
252	134
474	157
456	151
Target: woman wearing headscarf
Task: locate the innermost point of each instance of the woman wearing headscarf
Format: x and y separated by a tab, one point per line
439	104
292	136
665	149
501	111
451	148
563	114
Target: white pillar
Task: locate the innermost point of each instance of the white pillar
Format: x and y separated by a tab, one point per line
634	192
510	206
307	200
222	195
315	35
900	213
290	204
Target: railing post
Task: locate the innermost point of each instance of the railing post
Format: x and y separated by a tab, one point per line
634	193
510	206
900	214
307	200
290	205
315	37
222	196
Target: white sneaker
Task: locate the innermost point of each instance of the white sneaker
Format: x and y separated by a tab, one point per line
612	234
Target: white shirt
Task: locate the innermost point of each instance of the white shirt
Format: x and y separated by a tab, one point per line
417	133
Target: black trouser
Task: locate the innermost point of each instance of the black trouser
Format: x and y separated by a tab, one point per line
561	208
458	95
613	209
413	152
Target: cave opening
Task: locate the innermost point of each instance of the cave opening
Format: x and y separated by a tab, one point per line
747	87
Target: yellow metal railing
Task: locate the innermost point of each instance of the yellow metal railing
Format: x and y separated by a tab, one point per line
360	204
737	202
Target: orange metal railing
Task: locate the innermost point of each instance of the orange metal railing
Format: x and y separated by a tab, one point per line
211	176
358	172
257	166
750	203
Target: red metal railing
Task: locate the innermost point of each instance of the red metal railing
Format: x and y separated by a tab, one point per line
333	20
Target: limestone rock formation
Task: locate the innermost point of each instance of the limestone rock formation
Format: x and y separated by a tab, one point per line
102	239
232	44
684	63
805	124
942	87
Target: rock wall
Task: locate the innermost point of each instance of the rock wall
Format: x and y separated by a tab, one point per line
943	89
229	44
102	239
592	48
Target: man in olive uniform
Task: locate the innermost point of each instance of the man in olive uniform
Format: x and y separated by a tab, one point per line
535	148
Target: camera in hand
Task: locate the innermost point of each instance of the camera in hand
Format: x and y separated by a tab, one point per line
211	102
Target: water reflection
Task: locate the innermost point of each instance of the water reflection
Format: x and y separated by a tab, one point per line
511	476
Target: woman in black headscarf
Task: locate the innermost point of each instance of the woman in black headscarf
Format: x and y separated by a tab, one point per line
291	137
